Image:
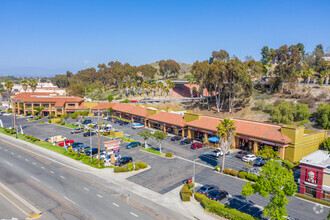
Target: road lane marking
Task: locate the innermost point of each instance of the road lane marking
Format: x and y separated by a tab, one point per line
51	171
12	153
26	160
62	177
99	195
43	168
69	200
19	156
35	179
86	189
34	163
6	150
115	204
132	213
9	164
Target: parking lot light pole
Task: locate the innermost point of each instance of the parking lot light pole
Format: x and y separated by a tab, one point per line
194	189
90	142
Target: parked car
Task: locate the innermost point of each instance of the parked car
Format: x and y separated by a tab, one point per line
93	151
89	133
123	161
249	157
218	152
55	139
6	114
86	122
83	148
117	121
133	144
206	189
134	101
217	195
176	138
77	130
186	141
259	162
137	125
123	123
67	142
241	154
196	145
30	118
75	145
120	140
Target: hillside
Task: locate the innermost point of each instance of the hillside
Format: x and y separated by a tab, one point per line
184	69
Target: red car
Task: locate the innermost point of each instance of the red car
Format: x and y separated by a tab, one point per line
67	142
196	145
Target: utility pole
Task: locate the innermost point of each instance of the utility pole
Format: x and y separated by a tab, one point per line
90	142
98	136
194	176
15	121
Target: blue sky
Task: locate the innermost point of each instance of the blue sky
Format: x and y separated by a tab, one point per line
48	37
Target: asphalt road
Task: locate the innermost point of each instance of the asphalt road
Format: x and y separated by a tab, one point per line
167	174
59	191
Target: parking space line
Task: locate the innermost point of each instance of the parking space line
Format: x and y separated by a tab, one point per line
132	213
19	156
9	164
51	171
43	168
35	179
12	153
6	150
26	160
69	200
34	163
62	177
99	195
86	189
115	204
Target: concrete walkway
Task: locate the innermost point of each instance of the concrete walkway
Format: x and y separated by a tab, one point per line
170	200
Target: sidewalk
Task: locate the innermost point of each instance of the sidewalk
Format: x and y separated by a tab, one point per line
170	200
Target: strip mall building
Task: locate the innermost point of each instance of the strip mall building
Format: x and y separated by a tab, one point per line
293	143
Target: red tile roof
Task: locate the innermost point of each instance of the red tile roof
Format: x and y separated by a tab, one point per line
104	105
259	130
131	109
169	118
43	97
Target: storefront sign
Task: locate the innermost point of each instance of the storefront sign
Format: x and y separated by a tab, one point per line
311	176
269	143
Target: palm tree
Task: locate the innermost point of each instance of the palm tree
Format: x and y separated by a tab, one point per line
191	81
33	84
153	87
134	85
25	85
225	132
170	85
160	88
127	85
2	91
121	86
166	90
9	87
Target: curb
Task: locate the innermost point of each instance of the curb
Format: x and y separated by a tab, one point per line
35	216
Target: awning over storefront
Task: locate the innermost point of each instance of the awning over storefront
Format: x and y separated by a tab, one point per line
213	139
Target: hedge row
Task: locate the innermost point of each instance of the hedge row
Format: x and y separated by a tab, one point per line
323	202
220	209
31	138
186	192
230	172
85	159
242	174
130	167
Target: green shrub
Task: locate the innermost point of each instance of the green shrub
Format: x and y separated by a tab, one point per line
287	164
130	166
137	167
227	171
125	101
325	145
323	202
260	105
117	98
49	121
234	172
190	185
200	197
224	211
168	154
120	169
242	175
143	165
267	152
185	197
217	168
185	193
252	177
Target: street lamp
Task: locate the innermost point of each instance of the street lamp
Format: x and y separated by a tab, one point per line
90	142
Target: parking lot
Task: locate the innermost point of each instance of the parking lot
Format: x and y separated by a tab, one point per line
167	174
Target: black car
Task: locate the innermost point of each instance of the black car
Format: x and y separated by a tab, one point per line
76	144
259	162
241	154
217	195
206	189
117	121
123	161
86	122
176	138
123	123
93	151
186	141
89	133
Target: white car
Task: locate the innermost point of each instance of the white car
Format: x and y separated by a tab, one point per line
249	157
217	153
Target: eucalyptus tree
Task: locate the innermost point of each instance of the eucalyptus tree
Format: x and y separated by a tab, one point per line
200	71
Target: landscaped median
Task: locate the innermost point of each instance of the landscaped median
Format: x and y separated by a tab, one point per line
131	167
153	151
80	157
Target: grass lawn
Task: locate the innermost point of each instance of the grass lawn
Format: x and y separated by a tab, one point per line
150	150
69	126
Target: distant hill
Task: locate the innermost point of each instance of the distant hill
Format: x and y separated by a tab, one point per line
184	68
